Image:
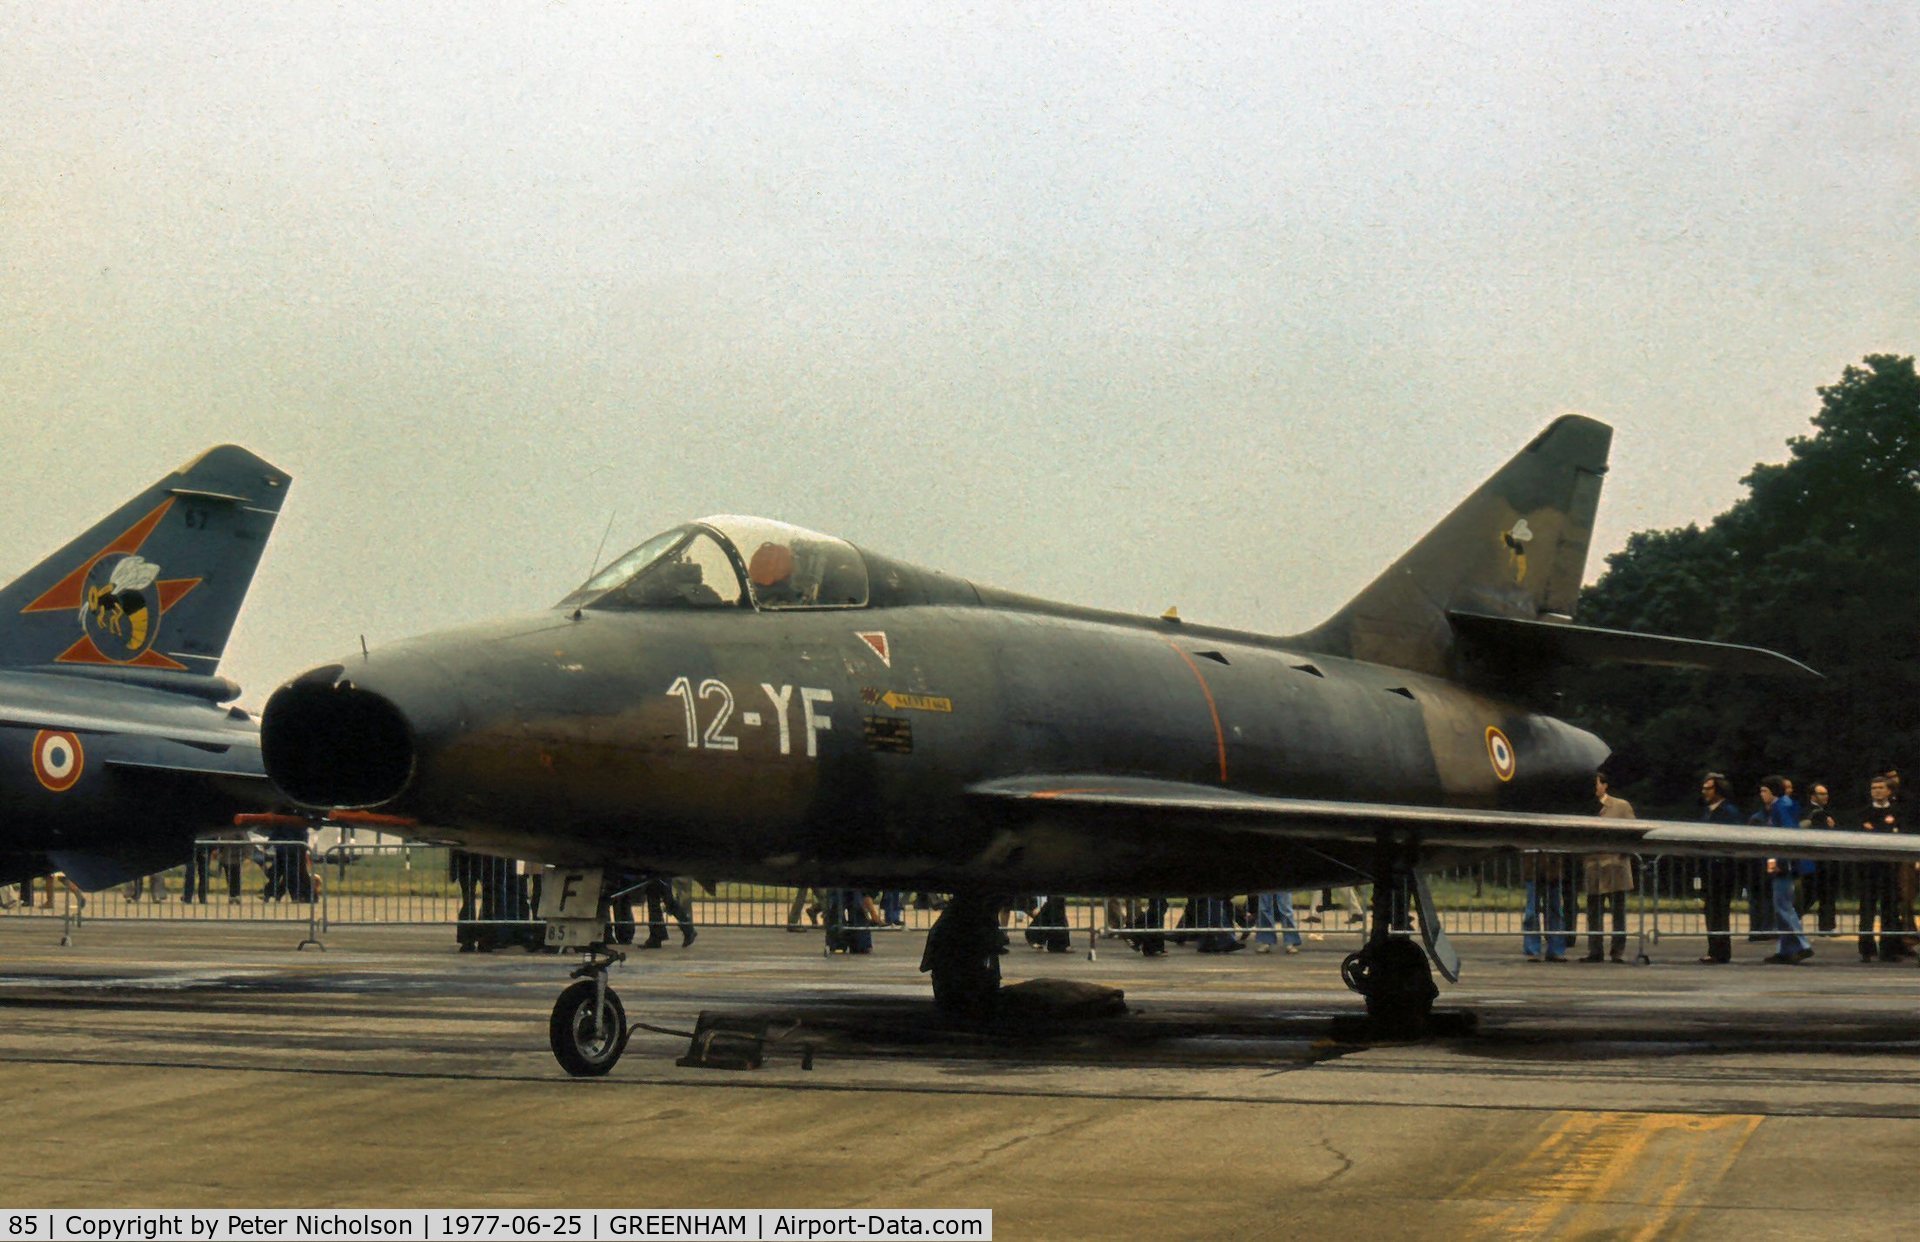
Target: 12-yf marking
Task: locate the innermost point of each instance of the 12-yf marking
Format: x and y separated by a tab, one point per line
814	721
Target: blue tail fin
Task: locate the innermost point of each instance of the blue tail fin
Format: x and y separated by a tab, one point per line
155	586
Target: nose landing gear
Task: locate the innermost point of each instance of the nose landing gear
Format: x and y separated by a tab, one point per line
588	1030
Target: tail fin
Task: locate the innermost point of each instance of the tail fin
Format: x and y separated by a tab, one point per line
154	587
1517	547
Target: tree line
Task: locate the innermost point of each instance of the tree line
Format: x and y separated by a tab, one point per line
1820	560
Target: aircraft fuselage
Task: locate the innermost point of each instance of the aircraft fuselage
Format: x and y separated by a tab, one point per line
838	745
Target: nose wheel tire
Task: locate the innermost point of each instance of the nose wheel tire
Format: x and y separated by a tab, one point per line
586	1048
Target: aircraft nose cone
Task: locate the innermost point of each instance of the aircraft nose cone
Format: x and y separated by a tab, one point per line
329	742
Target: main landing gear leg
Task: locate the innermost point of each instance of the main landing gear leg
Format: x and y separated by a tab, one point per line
1392	971
963	956
588	1030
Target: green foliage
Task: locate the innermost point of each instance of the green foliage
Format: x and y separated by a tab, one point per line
1820	560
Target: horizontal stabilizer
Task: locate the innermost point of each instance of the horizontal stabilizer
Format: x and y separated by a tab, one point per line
1553	642
1172	806
40	701
207	738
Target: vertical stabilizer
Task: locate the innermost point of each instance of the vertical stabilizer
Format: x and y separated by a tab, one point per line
1517	547
156	585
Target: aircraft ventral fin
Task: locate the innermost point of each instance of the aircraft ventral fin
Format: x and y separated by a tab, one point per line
1201	809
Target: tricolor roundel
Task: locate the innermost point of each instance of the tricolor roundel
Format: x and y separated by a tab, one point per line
57	760
1500	753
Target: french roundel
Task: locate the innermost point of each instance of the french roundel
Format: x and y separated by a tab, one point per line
1500	752
57	760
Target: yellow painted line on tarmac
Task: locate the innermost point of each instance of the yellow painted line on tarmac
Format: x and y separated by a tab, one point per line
1704	1165
1625	1175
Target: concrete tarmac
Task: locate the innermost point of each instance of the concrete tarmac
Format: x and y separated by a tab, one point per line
210	1066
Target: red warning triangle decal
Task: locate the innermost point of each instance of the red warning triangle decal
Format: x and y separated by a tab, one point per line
877	640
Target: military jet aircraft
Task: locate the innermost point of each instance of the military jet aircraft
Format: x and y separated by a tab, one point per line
741	698
116	747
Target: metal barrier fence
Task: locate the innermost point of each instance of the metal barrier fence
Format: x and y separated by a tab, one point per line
387	883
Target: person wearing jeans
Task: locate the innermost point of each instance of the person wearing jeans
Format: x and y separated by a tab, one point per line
1271	909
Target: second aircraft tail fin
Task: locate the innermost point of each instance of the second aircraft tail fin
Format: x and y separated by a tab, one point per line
154	586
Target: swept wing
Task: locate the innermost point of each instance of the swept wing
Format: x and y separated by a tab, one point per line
1201	809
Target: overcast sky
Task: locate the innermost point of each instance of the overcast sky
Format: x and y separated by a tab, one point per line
1216	305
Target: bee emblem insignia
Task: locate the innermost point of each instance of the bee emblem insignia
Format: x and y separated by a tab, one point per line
119	614
119	598
1516	541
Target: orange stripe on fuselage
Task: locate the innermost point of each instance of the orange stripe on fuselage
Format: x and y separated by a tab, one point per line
1219	734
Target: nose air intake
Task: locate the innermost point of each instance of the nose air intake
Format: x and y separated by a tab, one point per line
328	743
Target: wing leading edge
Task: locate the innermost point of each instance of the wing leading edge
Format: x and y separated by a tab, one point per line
1208	809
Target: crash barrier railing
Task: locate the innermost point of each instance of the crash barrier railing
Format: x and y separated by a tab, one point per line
227	881
489	900
1870	903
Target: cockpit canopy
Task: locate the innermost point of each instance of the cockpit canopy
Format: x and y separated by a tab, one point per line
730	562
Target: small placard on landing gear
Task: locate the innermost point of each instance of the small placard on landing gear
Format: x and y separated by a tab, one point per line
570	906
574	933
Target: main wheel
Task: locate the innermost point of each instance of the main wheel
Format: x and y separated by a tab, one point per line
571	1031
1399	989
966	988
963	956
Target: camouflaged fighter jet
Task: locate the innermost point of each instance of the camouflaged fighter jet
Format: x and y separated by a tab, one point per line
116	747
745	699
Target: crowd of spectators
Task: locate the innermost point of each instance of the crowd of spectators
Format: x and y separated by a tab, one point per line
1780	894
1785	898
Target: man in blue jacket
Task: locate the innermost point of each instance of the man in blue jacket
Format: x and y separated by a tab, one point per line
1782	813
